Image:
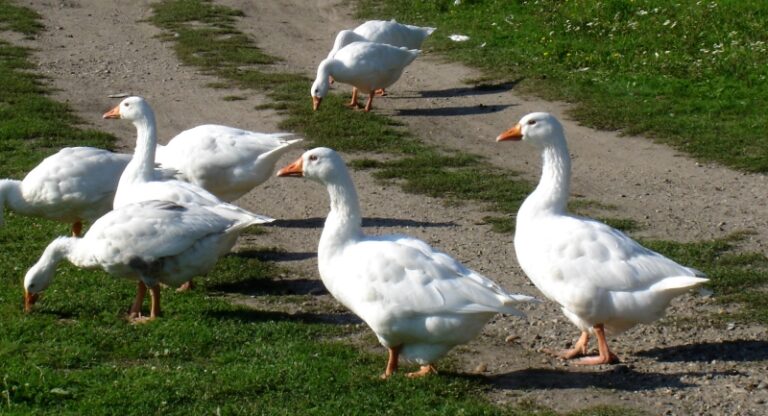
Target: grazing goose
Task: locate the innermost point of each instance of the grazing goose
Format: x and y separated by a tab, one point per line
602	279
152	242
382	31
225	161
367	66
419	301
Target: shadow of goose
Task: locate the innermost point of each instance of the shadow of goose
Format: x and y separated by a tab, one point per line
479	89
268	287
734	350
251	315
453	111
367	222
619	377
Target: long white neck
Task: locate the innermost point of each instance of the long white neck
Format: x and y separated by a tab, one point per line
141	167
41	273
551	195
10	196
344	222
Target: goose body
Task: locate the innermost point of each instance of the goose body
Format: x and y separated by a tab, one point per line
226	161
367	66
602	279
151	242
75	184
419	301
383	31
137	183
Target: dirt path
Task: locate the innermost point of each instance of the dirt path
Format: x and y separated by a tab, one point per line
676	366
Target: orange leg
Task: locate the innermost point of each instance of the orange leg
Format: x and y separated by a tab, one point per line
578	350
353	102
423	371
381	93
186	286
392	361
154	310
141	291
77	228
606	356
369	104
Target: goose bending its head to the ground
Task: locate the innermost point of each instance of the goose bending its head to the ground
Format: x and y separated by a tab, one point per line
152	242
75	184
367	66
225	161
602	279
419	301
382	31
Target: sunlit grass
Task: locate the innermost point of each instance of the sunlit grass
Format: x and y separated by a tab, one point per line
690	73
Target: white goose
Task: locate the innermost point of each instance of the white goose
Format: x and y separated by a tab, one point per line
138	183
226	161
367	66
602	279
419	301
75	184
382	31
152	242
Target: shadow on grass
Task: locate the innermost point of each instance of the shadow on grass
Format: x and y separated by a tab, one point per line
454	111
735	350
250	315
268	287
367	222
619	377
479	89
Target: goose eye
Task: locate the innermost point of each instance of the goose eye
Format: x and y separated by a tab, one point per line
312	158
531	122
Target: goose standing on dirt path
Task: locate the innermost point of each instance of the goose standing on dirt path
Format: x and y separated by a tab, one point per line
382	31
152	242
419	301
602	279
137	182
73	185
367	66
225	161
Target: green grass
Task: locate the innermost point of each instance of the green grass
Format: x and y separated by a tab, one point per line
416	167
690	73
77	355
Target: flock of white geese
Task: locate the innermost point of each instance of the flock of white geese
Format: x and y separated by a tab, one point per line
162	215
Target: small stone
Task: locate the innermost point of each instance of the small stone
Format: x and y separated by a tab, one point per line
511	338
481	368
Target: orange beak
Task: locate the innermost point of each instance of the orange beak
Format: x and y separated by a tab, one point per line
316	102
113	113
294	169
29	300
515	133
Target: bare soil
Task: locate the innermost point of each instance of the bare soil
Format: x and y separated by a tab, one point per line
683	364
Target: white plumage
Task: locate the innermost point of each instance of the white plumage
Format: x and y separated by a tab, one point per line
138	183
73	185
152	242
383	31
367	66
226	161
419	301
602	278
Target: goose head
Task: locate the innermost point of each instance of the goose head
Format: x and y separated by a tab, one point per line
36	280
132	108
320	164
541	129
321	85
